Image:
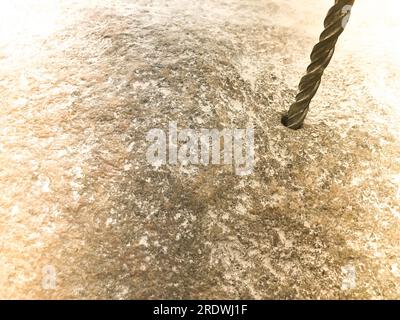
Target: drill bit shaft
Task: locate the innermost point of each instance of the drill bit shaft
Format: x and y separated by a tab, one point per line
321	55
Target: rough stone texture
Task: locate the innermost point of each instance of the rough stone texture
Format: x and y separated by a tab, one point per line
81	84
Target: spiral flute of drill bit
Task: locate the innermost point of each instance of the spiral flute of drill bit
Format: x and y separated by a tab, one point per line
321	55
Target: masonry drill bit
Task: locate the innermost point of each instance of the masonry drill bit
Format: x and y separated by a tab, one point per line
321	55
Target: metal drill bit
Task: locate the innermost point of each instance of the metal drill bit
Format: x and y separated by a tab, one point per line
321	55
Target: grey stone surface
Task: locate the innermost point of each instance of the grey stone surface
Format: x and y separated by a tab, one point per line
83	82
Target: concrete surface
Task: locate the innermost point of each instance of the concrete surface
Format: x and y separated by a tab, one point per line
83	214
